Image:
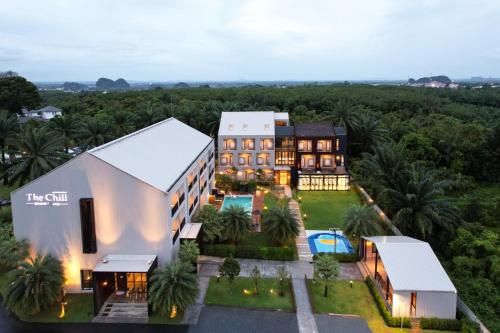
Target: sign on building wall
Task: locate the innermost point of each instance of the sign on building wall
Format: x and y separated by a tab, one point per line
54	198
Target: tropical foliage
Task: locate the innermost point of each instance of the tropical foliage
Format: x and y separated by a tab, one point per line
34	285
230	268
280	224
189	252
361	221
173	287
237	222
212	223
12	252
326	269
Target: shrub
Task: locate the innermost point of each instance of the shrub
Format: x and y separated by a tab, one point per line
441	324
341	257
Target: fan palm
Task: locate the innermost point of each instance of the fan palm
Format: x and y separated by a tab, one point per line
8	131
173	287
12	252
67	127
237	222
280	224
33	286
418	204
361	221
94	133
37	152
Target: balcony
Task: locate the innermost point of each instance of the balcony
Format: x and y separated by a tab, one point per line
174	209
178	231
229	144
191	208
191	184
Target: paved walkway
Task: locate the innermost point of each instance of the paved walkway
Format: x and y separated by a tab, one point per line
122	312
302	245
192	313
305	316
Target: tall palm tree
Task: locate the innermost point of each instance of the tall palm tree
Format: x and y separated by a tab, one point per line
280	224
368	131
8	131
173	288
94	133
34	285
237	222
361	221
343	114
418	205
37	152
67	127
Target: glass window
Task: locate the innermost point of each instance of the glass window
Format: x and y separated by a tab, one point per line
86	279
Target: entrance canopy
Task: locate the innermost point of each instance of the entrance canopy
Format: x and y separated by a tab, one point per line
138	263
191	231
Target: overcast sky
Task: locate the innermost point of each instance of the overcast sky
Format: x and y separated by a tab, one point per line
254	40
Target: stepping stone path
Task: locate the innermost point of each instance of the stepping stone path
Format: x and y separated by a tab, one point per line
302	244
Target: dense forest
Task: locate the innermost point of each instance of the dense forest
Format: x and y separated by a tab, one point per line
429	157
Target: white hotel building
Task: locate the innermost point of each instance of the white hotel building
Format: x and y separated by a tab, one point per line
113	213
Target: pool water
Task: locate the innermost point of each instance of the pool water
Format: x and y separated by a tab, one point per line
245	201
324	242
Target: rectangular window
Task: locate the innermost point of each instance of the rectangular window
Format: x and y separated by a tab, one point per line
86	279
87	220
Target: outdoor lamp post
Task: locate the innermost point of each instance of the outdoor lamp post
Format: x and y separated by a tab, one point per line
334	230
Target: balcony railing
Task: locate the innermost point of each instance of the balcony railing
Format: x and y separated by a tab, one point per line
191	208
190	186
181	199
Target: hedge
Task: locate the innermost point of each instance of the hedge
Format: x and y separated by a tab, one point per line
341	257
463	325
251	252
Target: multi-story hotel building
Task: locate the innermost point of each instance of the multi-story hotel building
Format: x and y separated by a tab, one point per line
113	213
309	156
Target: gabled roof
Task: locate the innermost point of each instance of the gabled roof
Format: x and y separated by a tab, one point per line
411	265
158	154
316	129
339	130
48	108
247	123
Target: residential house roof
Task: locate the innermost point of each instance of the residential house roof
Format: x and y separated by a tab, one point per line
316	129
249	123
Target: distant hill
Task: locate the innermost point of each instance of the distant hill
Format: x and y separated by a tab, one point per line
105	84
74	86
181	85
439	78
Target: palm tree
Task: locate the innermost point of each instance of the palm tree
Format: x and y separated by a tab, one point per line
12	252
361	221
8	131
280	224
173	288
326	268
37	152
237	222
121	123
94	133
34	285
368	131
67	127
418	205
343	114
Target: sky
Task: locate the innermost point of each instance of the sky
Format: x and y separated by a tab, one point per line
223	40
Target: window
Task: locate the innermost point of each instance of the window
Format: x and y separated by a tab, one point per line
324	145
137	281
229	144
87	220
337	144
305	145
86	279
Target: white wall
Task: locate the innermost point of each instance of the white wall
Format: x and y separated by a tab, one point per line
131	217
429	304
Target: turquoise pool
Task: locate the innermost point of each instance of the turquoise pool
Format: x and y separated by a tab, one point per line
325	241
245	201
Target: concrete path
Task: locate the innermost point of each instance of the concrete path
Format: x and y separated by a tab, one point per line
192	314
302	244
123	312
350	271
305	316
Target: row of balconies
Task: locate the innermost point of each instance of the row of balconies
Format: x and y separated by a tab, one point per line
247	144
321	145
245	159
308	162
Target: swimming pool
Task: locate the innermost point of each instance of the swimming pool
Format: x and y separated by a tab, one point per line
245	201
324	242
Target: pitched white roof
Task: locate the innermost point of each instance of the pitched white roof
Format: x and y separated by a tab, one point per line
247	123
157	154
136	263
411	264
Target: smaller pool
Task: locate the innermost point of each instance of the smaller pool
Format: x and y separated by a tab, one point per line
245	201
325	241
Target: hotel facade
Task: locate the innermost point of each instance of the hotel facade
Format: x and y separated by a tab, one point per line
114	213
308	156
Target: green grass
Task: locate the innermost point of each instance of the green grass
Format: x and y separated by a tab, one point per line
80	309
156	318
268	298
325	209
342	299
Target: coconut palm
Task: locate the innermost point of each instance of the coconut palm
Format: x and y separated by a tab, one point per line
94	133
361	221
37	152
237	222
343	114
8	131
67	127
280	224
173	288
12	252
418	204
34	285
367	130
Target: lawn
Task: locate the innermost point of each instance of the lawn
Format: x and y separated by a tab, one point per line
80	309
243	296
325	209
342	299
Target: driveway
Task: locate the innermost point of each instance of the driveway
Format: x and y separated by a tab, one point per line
336	324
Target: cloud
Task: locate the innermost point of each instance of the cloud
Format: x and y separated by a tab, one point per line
258	39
